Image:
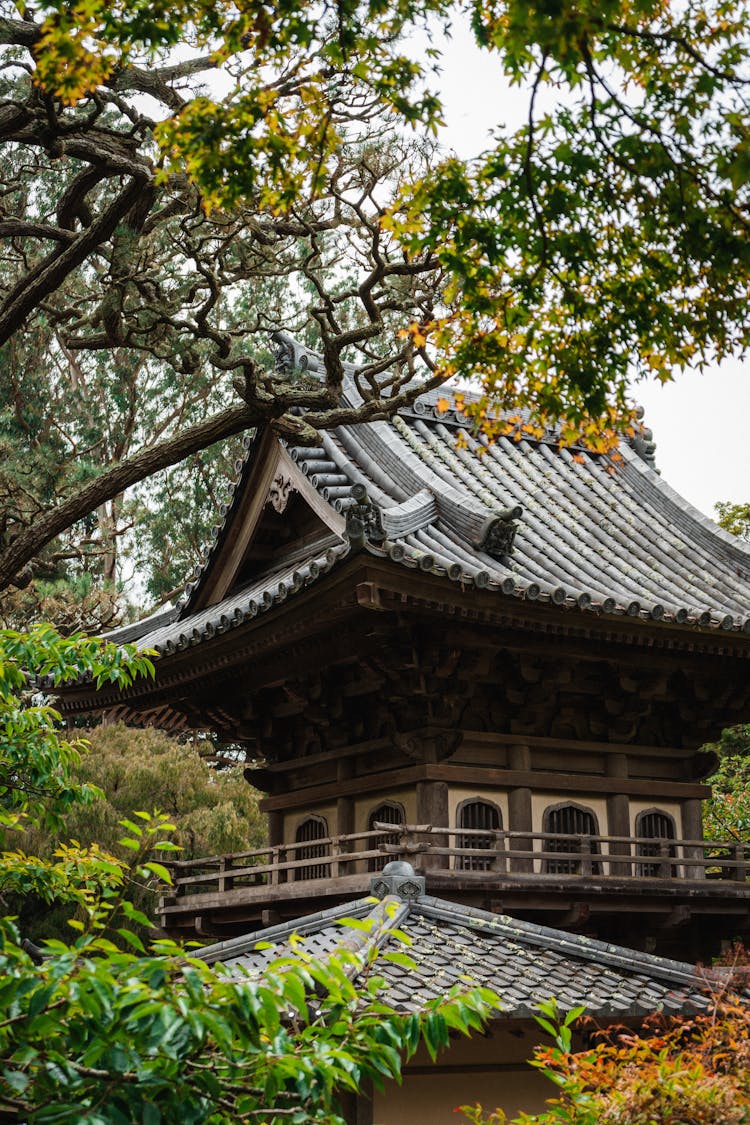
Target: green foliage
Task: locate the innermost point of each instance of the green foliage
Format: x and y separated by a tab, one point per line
35	764
100	1036
727	813
37	783
606	235
212	812
734	518
106	1032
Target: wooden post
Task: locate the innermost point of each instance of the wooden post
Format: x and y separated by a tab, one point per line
739	874
618	817
275	840
432	808
692	829
345	827
345	815
225	882
519	811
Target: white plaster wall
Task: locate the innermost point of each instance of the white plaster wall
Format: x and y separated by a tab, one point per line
433	1099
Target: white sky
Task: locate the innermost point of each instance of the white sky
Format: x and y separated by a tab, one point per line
701	423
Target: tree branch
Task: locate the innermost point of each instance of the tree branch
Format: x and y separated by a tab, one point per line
116	479
39	283
19	33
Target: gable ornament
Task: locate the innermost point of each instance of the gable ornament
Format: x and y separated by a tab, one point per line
280	491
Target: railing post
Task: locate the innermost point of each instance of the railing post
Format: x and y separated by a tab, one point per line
336	865
499	858
276	875
739	873
586	852
275	842
665	865
225	882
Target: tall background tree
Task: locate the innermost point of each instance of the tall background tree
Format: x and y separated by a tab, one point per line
179	180
212	808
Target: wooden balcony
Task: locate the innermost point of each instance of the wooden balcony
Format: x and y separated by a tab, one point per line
540	874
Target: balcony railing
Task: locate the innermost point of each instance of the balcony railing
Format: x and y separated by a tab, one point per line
464	853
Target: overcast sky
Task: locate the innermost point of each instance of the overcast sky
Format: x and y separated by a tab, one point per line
701	423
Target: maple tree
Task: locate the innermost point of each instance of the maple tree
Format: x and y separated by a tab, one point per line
734	518
166	163
691	1070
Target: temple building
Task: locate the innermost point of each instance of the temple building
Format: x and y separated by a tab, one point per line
498	663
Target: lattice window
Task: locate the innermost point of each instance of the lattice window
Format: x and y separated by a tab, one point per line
659	827
312	829
388	813
572	822
480	815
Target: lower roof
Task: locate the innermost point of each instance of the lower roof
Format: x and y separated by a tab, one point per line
449	944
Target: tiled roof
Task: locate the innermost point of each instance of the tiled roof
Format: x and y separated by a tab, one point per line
523	963
521	519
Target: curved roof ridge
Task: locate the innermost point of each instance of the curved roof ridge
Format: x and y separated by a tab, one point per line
683	508
631	540
450	943
599	539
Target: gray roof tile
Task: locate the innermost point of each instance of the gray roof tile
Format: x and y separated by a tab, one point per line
524	963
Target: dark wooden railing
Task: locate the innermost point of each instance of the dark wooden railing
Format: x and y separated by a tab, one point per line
498	853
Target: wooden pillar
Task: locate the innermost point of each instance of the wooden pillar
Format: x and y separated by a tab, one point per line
692	829
618	816
275	828
275	839
519	811
345	816
358	1108
432	808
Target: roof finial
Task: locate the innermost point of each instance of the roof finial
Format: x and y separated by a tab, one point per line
397	878
363	519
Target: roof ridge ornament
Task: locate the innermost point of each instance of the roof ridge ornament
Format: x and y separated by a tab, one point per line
364	520
499	532
398	878
290	355
642	441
